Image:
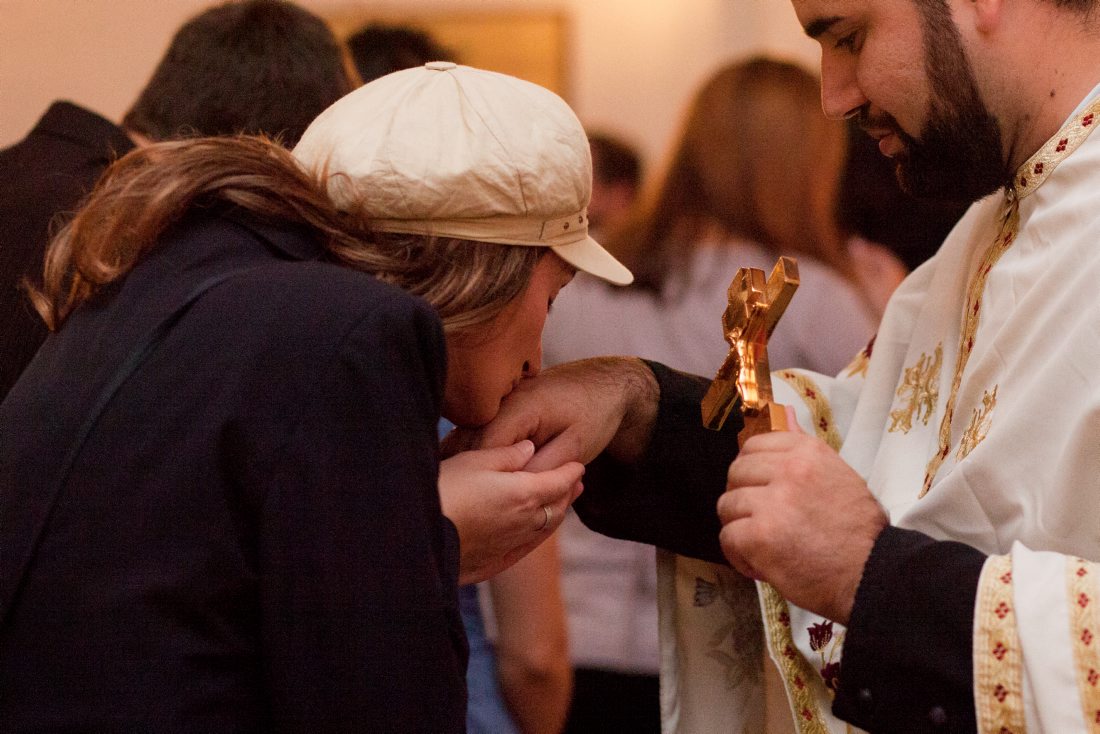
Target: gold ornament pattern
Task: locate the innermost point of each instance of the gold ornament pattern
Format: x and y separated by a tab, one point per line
919	392
1083	587
980	421
998	662
795	669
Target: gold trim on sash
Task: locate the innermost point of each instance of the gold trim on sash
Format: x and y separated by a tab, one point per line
798	673
1028	178
998	664
820	410
1084	612
796	670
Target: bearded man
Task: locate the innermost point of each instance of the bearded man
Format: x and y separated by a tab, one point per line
941	500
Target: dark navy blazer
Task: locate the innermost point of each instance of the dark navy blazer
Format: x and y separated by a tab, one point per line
219	512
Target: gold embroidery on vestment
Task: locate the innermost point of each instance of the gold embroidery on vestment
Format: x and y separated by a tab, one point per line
1083	587
919	391
1028	178
980	420
998	663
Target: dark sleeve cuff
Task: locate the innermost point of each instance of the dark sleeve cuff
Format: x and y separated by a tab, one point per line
907	662
669	497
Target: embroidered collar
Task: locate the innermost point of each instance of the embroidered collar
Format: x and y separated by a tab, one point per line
1038	167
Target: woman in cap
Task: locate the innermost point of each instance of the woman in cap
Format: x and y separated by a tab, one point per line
219	476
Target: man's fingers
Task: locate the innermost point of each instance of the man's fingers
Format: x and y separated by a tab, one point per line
732	548
753	470
557	451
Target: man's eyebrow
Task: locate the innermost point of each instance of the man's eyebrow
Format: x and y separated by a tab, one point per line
815	28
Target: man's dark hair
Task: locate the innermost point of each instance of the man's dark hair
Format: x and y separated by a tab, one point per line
614	161
379	49
253	66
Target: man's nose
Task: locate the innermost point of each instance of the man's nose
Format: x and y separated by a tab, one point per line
841	96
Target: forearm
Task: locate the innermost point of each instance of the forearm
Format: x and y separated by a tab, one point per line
667	495
532	645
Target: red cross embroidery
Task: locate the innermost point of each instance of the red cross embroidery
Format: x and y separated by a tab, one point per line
1086	120
1094	677
1000	651
1023	180
1000	693
807	715
1083	600
1038	168
811	394
1002	610
1006	578
1086	637
1062	145
799	683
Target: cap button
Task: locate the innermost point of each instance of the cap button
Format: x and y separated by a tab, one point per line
440	65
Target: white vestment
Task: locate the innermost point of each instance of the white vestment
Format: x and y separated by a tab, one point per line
976	419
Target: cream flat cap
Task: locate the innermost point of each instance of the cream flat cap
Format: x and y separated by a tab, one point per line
460	152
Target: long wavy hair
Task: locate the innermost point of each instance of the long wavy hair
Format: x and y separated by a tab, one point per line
147	191
757	160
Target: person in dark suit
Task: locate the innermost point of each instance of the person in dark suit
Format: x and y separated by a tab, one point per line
224	507
257	66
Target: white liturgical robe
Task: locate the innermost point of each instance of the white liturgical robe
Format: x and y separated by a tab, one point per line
975	417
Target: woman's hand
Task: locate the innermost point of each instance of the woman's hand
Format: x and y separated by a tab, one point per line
502	512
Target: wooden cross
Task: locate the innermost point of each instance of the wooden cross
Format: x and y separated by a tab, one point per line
755	306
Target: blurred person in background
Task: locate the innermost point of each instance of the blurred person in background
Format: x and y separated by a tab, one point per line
753	175
378	49
616	180
257	66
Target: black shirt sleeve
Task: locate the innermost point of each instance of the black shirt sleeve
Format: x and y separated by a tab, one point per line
669	498
907	663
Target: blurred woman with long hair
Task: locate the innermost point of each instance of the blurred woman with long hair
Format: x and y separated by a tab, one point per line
753	175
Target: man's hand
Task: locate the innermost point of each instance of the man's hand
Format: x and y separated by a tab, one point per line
795	515
501	512
574	411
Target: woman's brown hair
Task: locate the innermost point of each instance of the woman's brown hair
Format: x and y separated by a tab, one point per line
147	191
756	159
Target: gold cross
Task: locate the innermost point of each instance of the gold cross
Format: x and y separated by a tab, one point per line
755	307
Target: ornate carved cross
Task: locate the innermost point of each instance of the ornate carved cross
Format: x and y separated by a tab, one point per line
755	307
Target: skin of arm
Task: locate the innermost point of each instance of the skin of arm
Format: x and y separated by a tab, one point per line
532	644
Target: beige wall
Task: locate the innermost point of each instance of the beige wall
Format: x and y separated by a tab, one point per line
631	64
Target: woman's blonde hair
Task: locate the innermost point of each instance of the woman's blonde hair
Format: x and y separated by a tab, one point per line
150	189
756	158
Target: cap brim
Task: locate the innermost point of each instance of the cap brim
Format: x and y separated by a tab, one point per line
589	256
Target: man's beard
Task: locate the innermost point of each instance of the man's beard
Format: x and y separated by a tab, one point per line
959	156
